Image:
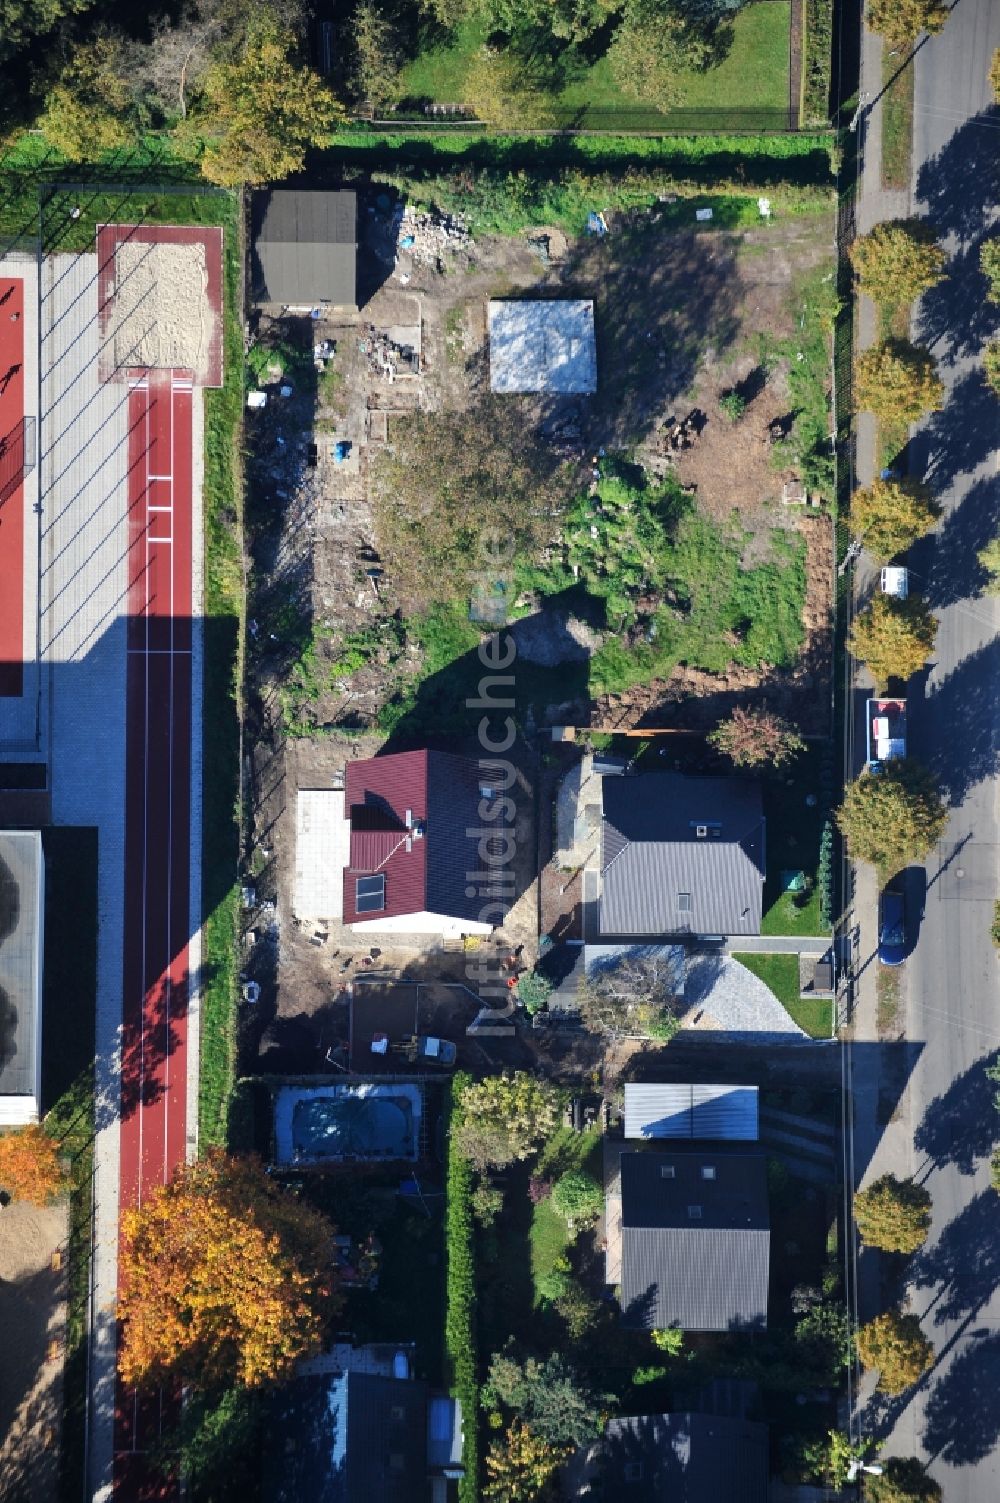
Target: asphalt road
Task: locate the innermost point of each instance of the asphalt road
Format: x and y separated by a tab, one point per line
952	1419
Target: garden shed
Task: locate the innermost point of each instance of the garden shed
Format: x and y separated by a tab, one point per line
305	248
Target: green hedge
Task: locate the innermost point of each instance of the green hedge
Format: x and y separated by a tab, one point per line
817	60
460	1319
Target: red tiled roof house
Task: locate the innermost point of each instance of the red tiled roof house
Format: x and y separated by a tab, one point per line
414	863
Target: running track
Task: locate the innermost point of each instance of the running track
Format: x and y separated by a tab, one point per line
157	842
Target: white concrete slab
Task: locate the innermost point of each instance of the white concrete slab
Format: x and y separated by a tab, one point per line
322	850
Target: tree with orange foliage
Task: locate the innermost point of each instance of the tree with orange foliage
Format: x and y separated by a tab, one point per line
225	1276
29	1165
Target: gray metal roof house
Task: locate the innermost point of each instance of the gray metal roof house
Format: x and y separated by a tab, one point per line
727	1113
681	855
305	247
22	912
682	1458
695	1238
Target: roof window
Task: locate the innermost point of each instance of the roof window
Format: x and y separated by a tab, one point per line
683	902
369	894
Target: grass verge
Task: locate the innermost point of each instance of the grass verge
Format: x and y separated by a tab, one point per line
461	1357
781	973
887	999
897	121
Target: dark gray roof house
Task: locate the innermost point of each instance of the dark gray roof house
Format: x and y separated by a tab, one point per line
22	914
305	247
682	1458
346	1438
681	856
695	1238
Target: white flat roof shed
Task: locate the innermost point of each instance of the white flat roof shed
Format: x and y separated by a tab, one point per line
22	910
322	850
725	1113
542	344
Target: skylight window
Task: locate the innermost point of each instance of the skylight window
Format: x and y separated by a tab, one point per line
369	894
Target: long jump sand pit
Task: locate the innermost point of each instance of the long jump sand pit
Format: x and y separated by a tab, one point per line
160	300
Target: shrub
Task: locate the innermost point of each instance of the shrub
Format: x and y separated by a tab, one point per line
533	991
989	260
29	1165
503	1118
460	1317
578	1197
578	1310
817	62
991	365
751	738
487	1202
733	405
669	1340
825	875
539	1189
554	1285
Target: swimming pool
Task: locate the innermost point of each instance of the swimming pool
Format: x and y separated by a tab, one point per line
366	1121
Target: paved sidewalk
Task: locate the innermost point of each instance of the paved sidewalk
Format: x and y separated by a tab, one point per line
779	944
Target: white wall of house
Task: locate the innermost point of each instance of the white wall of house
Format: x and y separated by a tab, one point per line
423	923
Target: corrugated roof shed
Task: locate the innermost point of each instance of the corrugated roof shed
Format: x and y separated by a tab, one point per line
304	247
681	855
726	1113
695	1239
425	872
346	1438
21	928
542	344
685	1458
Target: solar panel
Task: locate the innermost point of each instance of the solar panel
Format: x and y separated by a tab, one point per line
370	894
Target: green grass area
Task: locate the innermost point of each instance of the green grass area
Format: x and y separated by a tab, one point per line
794	832
781	974
751	83
550	1237
887	1000
897	120
69	1004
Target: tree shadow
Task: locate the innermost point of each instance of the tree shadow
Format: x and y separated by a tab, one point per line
958	1126
956	317
960	437
947	562
964	1261
963	1416
962	182
957	737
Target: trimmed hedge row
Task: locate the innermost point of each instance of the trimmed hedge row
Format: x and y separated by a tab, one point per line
460	1318
817	61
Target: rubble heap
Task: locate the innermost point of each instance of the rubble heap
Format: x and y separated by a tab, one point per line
427	235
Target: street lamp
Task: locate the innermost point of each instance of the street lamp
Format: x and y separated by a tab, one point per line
863	99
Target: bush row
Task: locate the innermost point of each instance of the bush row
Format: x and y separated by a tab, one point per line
460	1316
817	61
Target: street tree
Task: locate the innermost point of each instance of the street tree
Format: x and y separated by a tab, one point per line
90	107
755	738
653	47
989	558
898	260
261	112
995	75
504	1118
893	638
892	816
502	89
898	381
225	1277
900	22
520	1465
903	1480
895	1344
889	515
551	1396
989	261
991	365
376	77
634	997
577	1197
893	1214
30	1165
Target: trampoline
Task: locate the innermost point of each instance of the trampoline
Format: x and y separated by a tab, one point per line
370	1121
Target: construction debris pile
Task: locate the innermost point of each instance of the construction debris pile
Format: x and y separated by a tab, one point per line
676	435
385	358
426	236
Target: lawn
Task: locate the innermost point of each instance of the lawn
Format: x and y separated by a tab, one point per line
550	1237
750	86
794	807
781	974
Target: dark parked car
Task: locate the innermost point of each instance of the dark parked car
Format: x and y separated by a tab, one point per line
892	923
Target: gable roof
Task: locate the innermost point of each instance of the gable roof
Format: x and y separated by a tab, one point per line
659	1110
684	1458
346	1438
425	873
695	1249
304	247
660	876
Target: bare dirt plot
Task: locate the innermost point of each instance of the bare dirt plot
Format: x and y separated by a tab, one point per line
33	1319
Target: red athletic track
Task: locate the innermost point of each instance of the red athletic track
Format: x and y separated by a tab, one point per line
11	489
157	843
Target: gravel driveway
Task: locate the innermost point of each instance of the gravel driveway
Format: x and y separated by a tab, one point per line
722	996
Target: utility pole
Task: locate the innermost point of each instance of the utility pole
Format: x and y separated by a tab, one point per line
863	99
